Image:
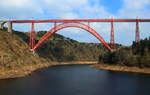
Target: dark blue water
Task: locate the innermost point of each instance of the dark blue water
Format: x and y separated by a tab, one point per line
77	80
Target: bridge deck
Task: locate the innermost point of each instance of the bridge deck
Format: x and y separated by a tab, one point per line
80	20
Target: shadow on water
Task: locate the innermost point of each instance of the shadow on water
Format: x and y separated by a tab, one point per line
77	80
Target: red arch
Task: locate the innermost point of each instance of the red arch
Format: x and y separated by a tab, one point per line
66	25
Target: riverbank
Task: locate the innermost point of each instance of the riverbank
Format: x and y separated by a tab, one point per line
122	68
26	70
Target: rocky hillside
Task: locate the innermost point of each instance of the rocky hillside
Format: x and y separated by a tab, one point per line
14	52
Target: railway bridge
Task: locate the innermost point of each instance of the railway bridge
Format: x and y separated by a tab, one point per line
78	23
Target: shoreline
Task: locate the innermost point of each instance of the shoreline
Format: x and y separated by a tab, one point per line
27	70
119	68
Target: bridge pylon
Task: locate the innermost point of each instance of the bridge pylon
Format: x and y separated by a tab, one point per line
137	33
32	37
112	39
9	23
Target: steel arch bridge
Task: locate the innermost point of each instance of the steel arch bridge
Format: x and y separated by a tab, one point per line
66	25
78	23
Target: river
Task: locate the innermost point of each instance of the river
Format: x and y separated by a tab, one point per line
77	80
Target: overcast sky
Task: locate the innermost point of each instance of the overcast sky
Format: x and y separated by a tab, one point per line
81	9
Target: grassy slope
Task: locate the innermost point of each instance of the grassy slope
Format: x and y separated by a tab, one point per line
14	52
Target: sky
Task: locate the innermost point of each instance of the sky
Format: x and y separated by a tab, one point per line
81	9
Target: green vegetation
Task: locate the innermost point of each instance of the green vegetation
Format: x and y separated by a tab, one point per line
136	55
60	48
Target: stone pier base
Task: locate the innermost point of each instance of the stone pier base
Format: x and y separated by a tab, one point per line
9	24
